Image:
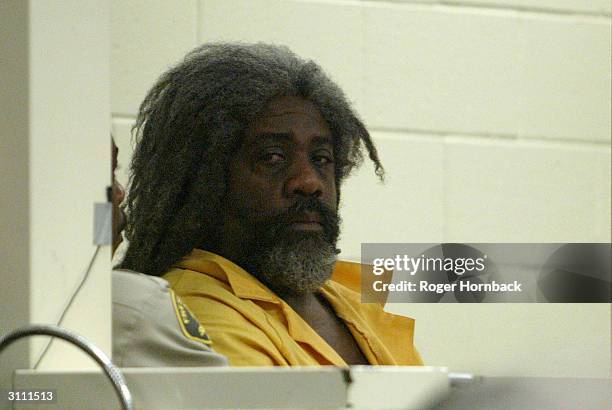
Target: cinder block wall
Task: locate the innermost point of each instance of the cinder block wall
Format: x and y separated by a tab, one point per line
492	118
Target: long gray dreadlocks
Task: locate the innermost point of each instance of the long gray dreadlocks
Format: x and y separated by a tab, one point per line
190	124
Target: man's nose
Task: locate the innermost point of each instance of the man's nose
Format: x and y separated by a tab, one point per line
304	180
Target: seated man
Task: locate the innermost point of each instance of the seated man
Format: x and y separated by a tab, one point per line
241	153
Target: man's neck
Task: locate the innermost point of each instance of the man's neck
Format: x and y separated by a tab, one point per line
308	306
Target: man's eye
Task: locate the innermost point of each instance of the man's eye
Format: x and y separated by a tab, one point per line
272	158
322	159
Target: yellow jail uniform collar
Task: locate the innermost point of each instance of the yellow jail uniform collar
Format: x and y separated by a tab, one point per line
253	327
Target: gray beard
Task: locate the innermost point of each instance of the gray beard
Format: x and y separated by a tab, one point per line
298	266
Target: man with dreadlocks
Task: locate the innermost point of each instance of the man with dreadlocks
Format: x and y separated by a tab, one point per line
241	153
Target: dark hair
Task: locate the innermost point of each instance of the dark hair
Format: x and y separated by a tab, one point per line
191	122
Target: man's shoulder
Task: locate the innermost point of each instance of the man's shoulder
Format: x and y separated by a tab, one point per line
153	327
214	300
204	292
206	274
180	279
125	281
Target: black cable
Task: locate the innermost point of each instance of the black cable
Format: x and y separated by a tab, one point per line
72	298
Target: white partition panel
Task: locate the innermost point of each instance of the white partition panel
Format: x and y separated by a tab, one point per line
57	149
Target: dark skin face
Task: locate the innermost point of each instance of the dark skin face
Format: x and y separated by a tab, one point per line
286	154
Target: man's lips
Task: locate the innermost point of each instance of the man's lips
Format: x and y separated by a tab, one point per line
308	217
306	222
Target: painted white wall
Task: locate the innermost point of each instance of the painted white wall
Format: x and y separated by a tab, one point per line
492	118
58	166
